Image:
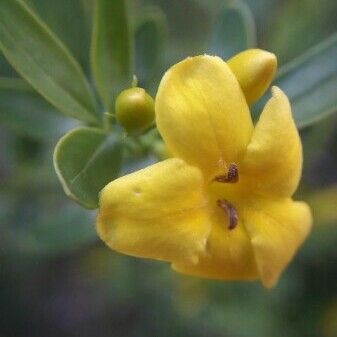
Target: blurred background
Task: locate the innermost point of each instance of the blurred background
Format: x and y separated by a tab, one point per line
58	279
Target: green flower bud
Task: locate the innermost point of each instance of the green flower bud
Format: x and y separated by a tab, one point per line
134	110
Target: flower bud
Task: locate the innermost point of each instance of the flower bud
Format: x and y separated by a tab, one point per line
134	110
254	69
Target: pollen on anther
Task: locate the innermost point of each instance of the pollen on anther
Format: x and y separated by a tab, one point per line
232	175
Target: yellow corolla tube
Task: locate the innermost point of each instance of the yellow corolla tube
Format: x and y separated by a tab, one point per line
222	207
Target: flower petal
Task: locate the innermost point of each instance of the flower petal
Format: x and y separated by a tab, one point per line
273	161
229	254
276	230
159	212
254	69
202	114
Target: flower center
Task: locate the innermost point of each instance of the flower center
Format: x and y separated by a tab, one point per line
231	177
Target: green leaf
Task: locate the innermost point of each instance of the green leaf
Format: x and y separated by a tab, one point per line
25	112
85	160
150	40
40	57
73	30
310	81
234	31
111	50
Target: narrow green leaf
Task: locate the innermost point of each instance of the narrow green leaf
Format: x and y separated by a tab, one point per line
150	40
27	113
234	31
111	50
310	81
40	57
73	30
85	160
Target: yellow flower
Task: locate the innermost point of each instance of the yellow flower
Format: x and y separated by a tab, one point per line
221	207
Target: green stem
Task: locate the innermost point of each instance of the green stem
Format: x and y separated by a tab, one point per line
134	81
108	121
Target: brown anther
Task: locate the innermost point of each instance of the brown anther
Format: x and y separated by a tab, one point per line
231	212
231	177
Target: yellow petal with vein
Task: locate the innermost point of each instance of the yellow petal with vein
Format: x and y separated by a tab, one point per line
159	212
254	69
273	161
276	230
202	114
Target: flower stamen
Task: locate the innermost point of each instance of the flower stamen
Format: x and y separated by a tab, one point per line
232	175
231	212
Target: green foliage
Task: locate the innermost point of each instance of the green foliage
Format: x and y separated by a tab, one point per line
86	159
60	236
37	54
308	23
25	112
310	81
151	35
234	30
111	50
50	234
73	30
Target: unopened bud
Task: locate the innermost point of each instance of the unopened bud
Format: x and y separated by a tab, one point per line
134	110
254	69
